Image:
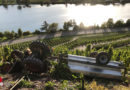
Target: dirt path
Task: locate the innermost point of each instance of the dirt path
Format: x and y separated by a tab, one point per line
101	43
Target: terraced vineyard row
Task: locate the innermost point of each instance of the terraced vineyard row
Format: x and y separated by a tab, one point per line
113	44
95	39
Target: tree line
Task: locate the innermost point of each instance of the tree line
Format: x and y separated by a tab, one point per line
72	25
13	35
60	1
67	26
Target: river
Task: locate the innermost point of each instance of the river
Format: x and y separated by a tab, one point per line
31	18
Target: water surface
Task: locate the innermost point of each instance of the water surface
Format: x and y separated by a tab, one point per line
31	18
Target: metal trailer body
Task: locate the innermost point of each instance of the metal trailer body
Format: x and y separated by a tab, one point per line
88	66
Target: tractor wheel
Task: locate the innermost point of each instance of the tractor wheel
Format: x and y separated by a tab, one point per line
17	67
33	65
102	58
40	50
17	54
94	54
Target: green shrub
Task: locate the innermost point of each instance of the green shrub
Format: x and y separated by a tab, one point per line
61	71
26	84
26	33
110	51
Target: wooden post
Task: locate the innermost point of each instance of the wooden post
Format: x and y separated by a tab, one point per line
60	58
125	71
83	84
17	82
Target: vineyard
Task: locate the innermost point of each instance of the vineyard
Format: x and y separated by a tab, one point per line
95	40
118	48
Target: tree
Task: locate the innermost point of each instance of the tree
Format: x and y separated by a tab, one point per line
20	32
69	24
81	25
12	34
1	35
119	23
8	35
26	33
16	35
73	22
128	23
4	1
36	32
52	27
110	23
104	25
65	26
45	26
76	27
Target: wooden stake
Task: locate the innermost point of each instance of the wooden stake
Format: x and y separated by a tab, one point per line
17	82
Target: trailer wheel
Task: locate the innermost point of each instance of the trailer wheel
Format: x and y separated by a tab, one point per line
102	58
93	54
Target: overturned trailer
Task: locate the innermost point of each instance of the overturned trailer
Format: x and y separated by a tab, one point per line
89	66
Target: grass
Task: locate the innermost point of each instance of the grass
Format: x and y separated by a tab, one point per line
25	83
49	85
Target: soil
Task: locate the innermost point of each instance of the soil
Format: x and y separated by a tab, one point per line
38	82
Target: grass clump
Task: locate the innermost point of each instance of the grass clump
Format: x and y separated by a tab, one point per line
25	84
49	85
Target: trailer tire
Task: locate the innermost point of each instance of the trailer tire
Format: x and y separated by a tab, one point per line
93	54
102	58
